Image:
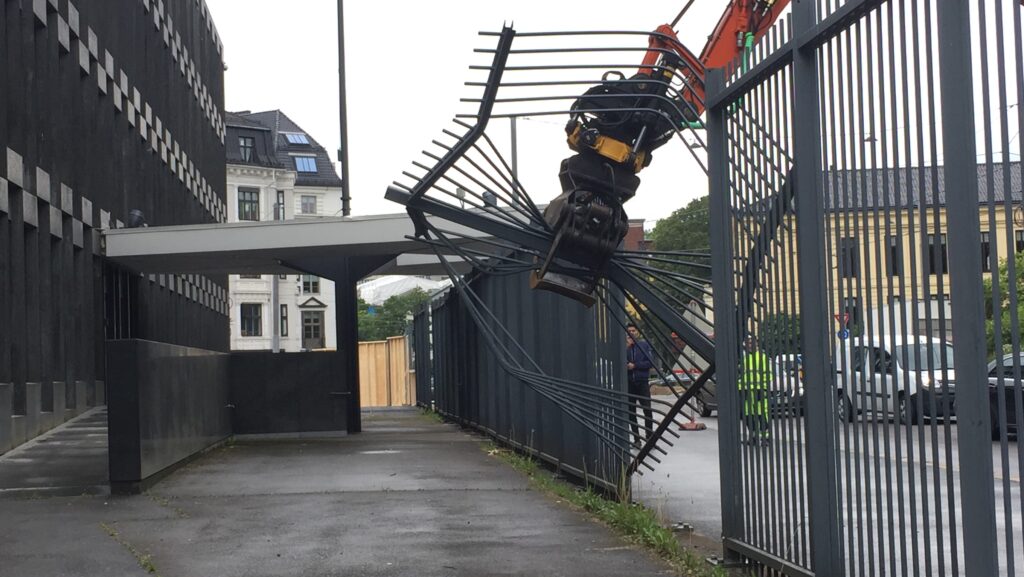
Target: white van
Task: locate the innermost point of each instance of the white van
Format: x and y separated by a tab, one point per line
907	377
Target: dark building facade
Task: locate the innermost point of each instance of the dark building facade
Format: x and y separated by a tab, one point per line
105	108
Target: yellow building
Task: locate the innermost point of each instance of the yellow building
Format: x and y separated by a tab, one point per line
888	254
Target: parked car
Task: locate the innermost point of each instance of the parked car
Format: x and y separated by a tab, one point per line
786	395
907	377
1010	373
681	378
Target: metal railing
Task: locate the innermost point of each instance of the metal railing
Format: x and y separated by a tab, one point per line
865	191
563	421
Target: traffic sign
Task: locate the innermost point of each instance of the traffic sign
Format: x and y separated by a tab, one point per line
842	318
844	334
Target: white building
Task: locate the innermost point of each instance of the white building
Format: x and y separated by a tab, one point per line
277	171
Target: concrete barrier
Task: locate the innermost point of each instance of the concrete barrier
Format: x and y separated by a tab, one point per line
167	403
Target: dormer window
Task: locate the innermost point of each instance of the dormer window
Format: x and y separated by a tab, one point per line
246	144
305	163
296	138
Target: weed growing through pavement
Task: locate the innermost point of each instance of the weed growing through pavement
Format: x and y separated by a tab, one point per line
432	414
634	521
145	560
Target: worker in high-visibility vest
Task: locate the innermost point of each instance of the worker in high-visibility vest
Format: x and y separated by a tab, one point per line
754	382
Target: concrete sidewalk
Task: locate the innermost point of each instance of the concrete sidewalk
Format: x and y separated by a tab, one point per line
407	497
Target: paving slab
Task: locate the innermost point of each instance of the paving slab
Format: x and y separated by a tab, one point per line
68	460
408	496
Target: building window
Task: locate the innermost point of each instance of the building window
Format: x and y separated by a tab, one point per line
310	284
251	276
312	330
938	259
895	263
284	320
305	163
248	204
294	138
851	306
246	144
849	258
986	252
252	320
308	204
1018	238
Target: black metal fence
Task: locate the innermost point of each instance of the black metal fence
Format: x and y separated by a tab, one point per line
460	374
867	222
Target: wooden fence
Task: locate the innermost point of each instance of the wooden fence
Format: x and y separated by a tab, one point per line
385	379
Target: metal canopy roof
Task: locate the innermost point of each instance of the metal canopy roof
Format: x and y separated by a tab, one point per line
368	244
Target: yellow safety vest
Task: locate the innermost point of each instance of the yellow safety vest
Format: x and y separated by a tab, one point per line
757	373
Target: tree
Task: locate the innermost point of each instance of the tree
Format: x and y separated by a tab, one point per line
688	228
780	335
378	322
1004	306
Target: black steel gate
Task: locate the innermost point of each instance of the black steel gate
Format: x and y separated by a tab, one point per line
867	223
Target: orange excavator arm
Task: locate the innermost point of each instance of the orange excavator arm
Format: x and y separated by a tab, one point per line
742	24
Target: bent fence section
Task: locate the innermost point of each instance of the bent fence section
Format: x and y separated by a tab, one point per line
460	376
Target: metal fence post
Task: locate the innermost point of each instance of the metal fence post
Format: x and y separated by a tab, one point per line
726	337
822	479
977	484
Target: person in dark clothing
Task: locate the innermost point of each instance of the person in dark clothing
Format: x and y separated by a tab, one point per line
639	362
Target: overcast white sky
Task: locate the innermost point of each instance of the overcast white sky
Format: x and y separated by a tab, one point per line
406	64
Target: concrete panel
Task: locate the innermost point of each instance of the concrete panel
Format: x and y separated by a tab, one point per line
86	212
56	222
63	35
67	199
33	401
74	20
59	401
6	398
18	435
42	187
15	168
77	234
83	57
39	9
29	209
81	392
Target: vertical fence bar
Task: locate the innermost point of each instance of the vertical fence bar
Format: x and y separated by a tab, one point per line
822	481
977	490
726	337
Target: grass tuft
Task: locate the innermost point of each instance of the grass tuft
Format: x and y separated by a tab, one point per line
635	522
145	560
432	415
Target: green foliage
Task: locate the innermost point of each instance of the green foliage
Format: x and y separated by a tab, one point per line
1004	305
388	319
780	335
687	228
634	521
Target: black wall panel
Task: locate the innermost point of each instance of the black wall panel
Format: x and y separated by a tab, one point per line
290	392
105	107
167	403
